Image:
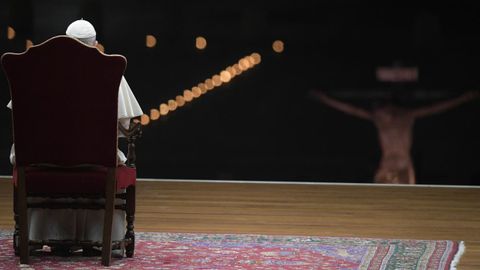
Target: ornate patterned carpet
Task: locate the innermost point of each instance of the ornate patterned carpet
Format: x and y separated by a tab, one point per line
226	251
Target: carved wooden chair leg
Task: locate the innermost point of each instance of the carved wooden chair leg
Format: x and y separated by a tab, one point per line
23	219
130	212
15	218
108	218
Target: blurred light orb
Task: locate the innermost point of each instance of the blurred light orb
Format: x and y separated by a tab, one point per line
203	87
225	76
250	60
150	41
144	120
196	91
154	114
217	81
164	109
10	32
172	105
200	43
243	64
278	46
246	62
187	95
209	83
28	44
100	47
257	58
231	71
180	101
237	68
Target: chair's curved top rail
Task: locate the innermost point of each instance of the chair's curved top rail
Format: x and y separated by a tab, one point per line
61	37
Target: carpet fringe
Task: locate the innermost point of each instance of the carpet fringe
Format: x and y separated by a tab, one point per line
456	259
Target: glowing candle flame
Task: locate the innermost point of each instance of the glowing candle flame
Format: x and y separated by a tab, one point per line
188	95
150	41
164	109
180	101
200	43
209	84
225	76
278	46
10	32
28	43
144	120
196	91
217	81
154	114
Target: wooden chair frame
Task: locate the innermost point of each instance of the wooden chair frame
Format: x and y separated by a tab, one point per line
106	71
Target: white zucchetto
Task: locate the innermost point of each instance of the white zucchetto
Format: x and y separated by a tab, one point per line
81	29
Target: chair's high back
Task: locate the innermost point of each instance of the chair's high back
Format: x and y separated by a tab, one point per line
64	98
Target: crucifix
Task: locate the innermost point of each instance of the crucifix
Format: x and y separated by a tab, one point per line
394	124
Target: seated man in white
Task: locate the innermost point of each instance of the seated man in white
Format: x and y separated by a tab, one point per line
83	224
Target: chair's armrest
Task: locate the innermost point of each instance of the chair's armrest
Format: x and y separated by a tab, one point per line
131	134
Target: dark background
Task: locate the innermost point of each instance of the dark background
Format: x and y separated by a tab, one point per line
263	125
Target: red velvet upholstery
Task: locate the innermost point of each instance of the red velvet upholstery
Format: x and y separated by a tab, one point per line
73	181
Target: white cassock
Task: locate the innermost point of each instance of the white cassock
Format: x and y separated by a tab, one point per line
68	224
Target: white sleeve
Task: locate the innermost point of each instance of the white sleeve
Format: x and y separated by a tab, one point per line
9	105
128	106
12	155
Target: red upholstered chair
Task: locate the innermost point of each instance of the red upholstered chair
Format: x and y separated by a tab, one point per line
64	97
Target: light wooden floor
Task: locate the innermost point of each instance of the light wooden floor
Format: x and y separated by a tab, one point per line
407	212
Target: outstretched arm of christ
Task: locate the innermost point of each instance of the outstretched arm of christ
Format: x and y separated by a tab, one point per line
445	105
340	105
